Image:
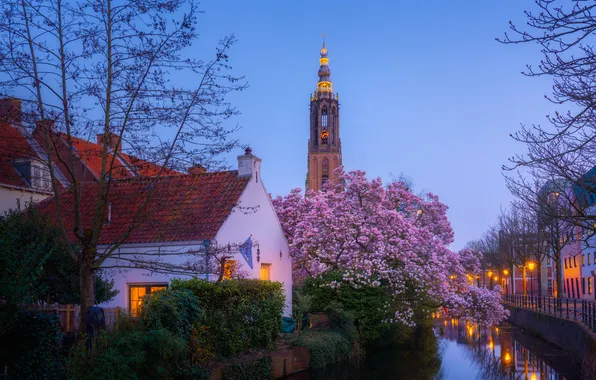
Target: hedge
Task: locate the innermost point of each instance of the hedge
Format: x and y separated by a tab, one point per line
255	369
325	347
134	353
174	310
31	346
236	315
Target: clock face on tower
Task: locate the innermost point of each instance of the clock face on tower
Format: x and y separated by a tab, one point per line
324	134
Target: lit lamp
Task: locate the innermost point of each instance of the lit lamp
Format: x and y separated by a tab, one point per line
505	280
507	358
531	266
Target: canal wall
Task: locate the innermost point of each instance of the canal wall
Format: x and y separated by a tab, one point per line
569	335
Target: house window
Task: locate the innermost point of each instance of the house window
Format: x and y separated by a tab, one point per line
266	272
565	263
583	260
229	269
577	286
35	173
136	294
589	285
548	261
575	261
583	285
566	286
589	258
324	117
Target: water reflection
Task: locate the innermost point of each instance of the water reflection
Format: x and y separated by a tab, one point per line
503	352
459	351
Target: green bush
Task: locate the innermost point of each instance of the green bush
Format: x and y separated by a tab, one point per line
256	369
32	346
134	354
175	310
237	315
369	307
325	347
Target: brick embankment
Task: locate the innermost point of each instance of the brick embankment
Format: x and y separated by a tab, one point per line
569	335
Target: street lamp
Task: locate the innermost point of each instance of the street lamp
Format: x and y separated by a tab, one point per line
506	280
531	266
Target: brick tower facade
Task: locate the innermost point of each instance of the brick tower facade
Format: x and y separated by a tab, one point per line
324	144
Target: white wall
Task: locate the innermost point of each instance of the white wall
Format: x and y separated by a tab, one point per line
11	197
254	216
262	223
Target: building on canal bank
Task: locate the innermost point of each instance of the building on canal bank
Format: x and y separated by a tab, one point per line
191	221
24	160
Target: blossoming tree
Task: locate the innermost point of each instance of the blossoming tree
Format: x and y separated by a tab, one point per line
377	235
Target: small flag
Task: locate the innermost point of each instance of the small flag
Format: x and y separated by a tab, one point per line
246	251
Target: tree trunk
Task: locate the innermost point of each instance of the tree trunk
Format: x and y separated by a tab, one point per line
539	277
87	286
525	280
559	275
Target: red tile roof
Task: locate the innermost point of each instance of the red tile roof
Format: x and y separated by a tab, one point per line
180	208
12	146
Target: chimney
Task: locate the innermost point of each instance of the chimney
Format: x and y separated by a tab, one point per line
113	143
197	169
249	165
10	109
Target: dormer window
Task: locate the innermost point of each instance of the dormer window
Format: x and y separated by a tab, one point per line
35	173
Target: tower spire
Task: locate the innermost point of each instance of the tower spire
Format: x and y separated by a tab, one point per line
324	86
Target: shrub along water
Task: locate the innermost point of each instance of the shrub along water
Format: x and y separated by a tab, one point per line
237	315
185	328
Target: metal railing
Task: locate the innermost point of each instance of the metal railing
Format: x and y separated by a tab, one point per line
582	311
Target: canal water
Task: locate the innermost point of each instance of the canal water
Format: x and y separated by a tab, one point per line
456	351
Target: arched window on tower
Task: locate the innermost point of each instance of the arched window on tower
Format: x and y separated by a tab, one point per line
325	176
333	125
324	130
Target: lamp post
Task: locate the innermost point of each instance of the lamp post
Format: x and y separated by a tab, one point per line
506	280
531	266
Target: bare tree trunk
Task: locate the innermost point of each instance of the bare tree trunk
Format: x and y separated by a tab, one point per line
87	286
559	275
525	280
539	277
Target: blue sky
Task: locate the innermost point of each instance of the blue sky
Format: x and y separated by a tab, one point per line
425	90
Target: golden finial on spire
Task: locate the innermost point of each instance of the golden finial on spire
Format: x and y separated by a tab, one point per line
324	49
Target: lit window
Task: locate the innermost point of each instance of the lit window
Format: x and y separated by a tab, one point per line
266	272
565	263
229	269
137	292
583	260
589	285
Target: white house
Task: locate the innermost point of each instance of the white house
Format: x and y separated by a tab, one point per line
184	216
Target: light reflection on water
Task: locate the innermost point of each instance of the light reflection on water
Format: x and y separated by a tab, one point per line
505	352
457	351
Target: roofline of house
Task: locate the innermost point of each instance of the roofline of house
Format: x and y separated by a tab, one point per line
155	243
27	189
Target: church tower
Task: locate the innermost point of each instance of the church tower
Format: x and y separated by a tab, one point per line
324	144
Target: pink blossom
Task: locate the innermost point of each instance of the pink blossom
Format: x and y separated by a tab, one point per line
378	234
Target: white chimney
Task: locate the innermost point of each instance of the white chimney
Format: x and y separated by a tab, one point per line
249	165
